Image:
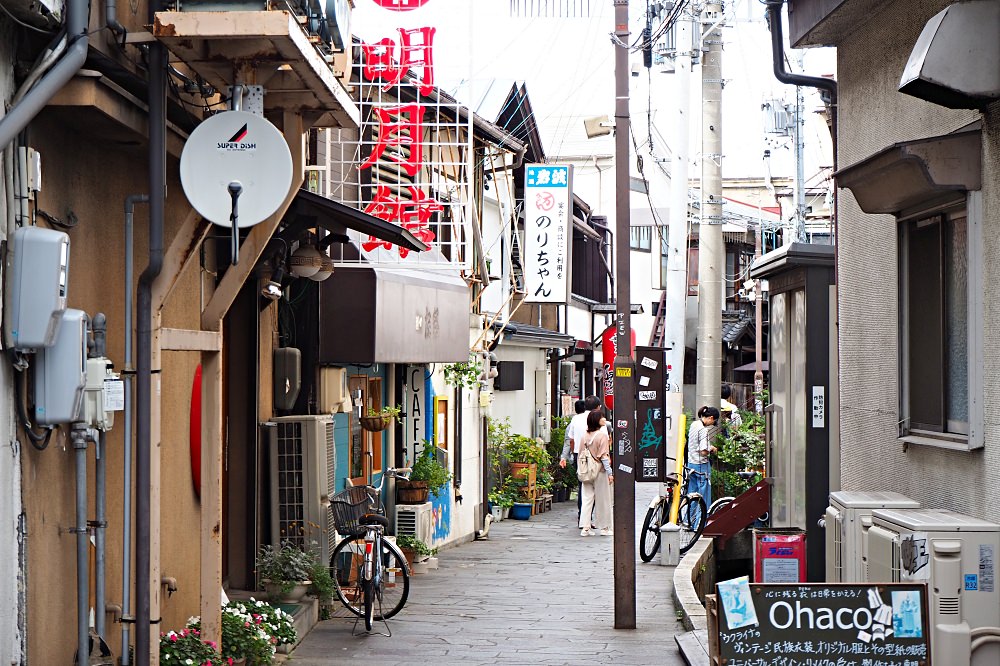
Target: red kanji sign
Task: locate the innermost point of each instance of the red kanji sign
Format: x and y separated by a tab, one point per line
399	127
416	51
413	214
401	5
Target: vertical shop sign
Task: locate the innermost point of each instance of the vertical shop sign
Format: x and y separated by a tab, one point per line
548	208
650	408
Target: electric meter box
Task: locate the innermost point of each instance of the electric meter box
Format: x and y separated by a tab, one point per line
61	372
38	275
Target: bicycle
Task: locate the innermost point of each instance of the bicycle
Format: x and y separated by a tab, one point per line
691	516
367	570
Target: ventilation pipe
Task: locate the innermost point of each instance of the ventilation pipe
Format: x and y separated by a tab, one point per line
23	111
79	438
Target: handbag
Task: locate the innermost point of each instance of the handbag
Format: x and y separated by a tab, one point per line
587	466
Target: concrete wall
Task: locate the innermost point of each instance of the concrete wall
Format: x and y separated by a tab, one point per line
519	406
91	178
873	116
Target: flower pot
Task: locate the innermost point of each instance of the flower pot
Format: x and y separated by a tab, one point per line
421	567
497	512
375	423
521	511
411	492
506	512
432	563
295	594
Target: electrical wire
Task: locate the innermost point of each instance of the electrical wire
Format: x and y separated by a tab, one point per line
23	24
38	440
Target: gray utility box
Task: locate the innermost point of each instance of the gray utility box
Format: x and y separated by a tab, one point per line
61	372
37	276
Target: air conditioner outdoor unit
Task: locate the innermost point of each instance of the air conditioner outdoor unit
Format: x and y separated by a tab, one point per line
302	462
415	520
955	555
847	521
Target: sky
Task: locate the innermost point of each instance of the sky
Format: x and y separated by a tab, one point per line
481	47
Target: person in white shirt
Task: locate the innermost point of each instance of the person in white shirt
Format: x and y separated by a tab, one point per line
699	447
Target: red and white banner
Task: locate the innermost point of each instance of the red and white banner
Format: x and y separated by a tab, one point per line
609	350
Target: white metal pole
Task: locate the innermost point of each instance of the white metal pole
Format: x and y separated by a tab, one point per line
676	302
711	252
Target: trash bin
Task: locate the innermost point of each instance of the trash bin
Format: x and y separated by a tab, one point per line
779	555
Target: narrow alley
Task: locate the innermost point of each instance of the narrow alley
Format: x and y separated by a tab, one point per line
536	592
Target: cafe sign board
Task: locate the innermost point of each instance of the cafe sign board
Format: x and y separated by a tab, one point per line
813	624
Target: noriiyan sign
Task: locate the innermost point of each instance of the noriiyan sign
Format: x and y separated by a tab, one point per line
822	624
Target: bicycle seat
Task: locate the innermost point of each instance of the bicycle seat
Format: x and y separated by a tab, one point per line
672	478
373	519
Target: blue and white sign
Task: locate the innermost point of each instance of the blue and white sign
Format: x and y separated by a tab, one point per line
548	208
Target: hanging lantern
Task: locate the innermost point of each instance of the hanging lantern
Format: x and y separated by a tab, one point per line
306	261
325	269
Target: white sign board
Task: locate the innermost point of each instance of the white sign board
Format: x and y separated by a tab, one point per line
548	210
819	407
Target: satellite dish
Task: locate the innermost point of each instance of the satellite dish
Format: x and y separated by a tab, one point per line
236	151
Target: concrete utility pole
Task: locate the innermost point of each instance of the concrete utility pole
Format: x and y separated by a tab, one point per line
623	453
676	304
711	250
800	171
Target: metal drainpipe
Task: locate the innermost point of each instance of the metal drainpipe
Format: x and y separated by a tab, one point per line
77	17
100	328
130	202
78	436
144	340
783	75
111	20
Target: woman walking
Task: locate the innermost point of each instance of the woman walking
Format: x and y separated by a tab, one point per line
597	493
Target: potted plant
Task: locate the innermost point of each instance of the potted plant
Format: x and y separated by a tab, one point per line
278	624
464	374
416	552
284	571
427	476
184	647
251	631
524	457
379	419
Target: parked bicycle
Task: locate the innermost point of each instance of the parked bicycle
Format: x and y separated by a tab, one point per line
369	572
691	516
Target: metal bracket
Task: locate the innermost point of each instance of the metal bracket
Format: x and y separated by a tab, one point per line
248	98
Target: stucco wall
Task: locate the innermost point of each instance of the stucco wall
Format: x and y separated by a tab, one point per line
11	606
873	116
92	178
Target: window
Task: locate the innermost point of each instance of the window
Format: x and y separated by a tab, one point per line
641	238
939	316
663	260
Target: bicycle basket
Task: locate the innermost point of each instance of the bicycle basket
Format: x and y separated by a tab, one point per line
349	505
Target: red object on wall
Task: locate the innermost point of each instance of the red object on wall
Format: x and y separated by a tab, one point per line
609	349
195	431
401	5
779	556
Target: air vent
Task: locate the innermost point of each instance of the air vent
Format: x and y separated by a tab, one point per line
948	606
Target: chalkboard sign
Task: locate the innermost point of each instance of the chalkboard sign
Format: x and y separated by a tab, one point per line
794	625
649	411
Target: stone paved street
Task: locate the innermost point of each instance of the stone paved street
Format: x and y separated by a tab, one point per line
535	593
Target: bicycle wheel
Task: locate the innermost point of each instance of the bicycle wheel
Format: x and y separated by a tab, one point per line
390	589
719	504
649	539
368	588
691	518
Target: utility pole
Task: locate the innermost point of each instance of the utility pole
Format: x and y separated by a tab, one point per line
623	454
758	373
676	303
711	250
800	171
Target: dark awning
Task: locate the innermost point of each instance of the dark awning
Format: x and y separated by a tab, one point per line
916	173
309	210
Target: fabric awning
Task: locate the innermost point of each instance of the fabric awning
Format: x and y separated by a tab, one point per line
371	314
310	210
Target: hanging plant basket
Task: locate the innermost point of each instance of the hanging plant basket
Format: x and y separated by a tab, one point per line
375	423
411	492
